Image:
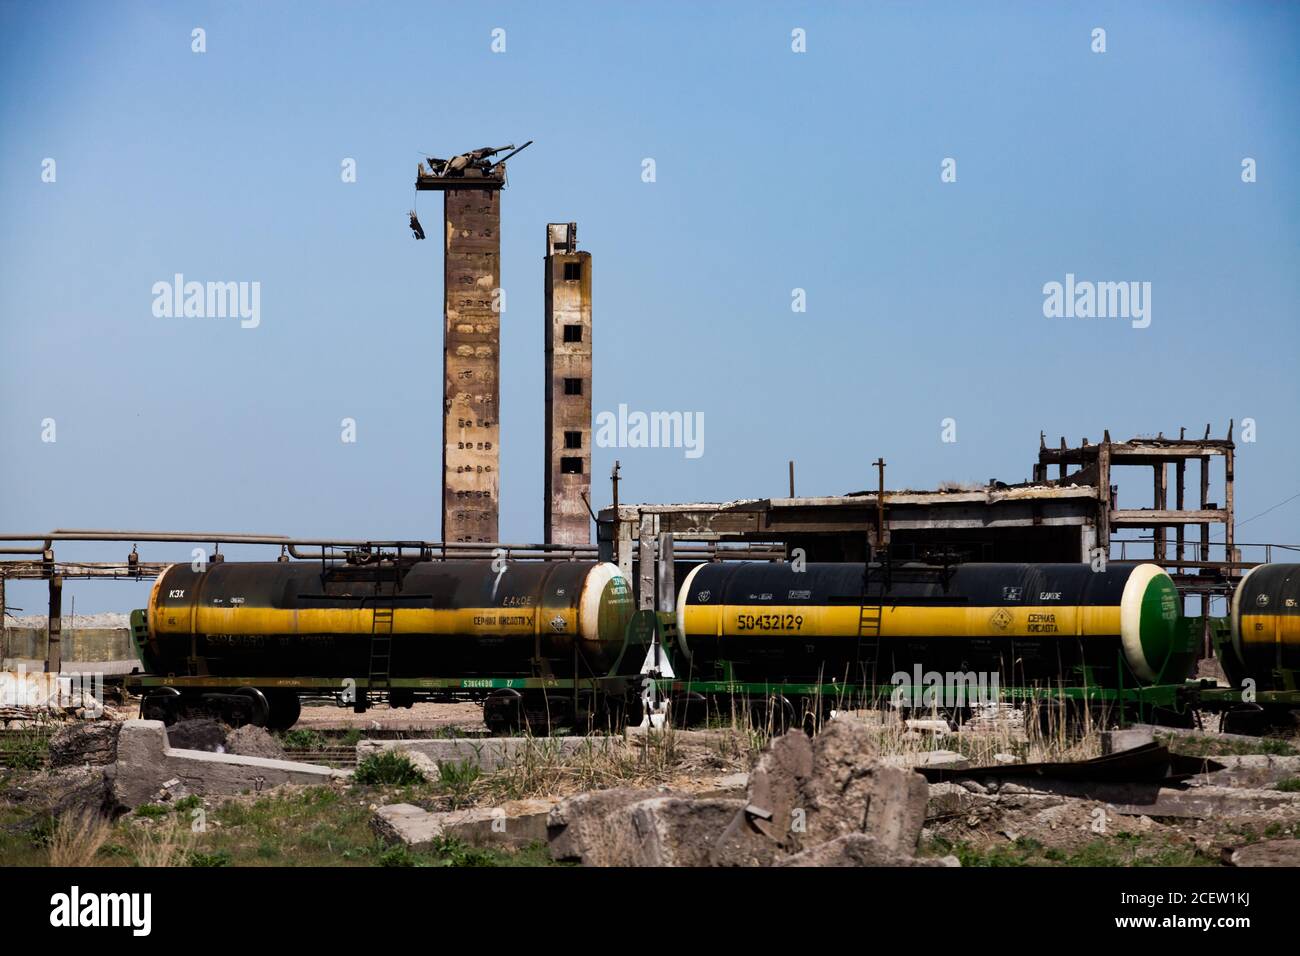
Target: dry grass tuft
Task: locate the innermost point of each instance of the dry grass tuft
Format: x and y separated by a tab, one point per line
168	843
77	839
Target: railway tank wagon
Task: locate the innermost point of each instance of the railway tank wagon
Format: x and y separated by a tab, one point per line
1265	629
270	631
834	626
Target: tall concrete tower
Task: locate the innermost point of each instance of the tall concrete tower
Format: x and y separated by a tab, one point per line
471	357
568	387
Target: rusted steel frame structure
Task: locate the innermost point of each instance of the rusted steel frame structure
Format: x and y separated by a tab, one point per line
1095	463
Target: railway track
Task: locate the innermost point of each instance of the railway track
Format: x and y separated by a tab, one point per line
334	756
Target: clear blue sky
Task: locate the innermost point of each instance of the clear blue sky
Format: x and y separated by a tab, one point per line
775	170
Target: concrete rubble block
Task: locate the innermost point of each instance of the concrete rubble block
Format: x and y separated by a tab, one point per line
145	764
733	781
586	826
1204	803
931	725
89	743
494	753
513	825
948	759
674	831
896	811
860	849
1116	741
952	800
803	793
516	824
1268	853
1251	770
406	823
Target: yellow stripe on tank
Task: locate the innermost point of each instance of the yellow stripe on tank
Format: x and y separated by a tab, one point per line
1270	628
341	620
902	622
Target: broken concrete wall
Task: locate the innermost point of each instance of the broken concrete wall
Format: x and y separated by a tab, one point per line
145	763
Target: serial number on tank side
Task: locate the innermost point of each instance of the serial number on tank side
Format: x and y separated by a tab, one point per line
769	622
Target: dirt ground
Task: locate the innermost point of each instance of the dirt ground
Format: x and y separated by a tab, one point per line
421	716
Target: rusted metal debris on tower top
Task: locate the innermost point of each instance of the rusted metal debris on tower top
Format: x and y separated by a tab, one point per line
477	169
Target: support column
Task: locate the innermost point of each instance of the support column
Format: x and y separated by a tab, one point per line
1229	525
1161	494
623	545
646	562
1103	494
1180	482
667	574
54	630
1206	649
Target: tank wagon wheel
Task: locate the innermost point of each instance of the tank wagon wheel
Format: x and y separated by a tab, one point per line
286	708
162	704
503	711
688	709
814	713
1066	719
259	709
1249	720
774	713
1165	717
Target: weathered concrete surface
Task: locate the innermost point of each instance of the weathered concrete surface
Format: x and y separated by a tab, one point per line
629	827
1193	798
493	753
406	823
145	763
1268	853
948	759
860	849
804	793
1115	741
1251	770
931	725
1205	802
80	644
586	826
1143	800
672	831
515	824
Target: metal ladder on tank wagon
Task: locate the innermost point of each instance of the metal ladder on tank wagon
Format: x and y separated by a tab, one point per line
869	617
381	639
